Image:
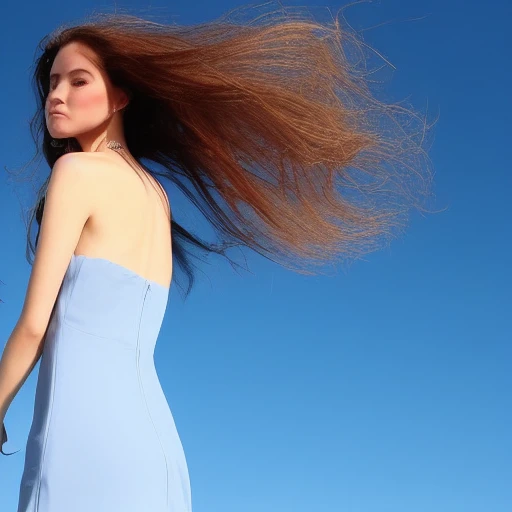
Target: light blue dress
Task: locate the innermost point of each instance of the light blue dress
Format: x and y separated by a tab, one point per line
103	438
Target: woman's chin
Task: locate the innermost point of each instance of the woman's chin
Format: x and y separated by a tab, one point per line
59	135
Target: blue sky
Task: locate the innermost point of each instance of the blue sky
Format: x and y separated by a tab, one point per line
386	388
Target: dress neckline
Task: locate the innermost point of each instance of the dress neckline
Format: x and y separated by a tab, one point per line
122	267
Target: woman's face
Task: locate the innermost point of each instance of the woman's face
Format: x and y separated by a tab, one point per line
79	91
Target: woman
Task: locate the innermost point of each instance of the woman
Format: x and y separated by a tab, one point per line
269	119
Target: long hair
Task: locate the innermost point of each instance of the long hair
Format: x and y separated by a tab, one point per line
269	128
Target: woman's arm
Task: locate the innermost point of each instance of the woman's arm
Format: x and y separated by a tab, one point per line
21	353
68	206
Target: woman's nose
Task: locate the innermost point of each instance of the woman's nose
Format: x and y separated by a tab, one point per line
57	93
52	100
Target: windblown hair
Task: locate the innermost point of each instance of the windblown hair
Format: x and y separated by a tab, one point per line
267	127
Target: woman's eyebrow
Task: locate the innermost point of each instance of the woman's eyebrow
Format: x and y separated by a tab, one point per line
71	72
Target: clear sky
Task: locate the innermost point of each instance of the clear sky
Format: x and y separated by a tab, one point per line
386	388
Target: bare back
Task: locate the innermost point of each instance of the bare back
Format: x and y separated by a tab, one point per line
131	220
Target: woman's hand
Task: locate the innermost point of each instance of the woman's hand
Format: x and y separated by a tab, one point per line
3	439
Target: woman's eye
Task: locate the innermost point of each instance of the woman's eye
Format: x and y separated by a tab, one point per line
76	83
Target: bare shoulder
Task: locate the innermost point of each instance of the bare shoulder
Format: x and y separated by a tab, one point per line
80	171
81	167
106	178
73	171
80	161
87	166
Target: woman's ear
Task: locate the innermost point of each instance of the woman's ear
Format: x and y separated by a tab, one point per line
126	97
122	98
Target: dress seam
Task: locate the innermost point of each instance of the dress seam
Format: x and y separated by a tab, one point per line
50	407
147	288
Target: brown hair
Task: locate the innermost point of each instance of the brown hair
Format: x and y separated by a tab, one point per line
268	128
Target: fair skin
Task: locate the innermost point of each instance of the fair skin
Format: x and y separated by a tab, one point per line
97	204
86	98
